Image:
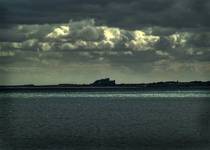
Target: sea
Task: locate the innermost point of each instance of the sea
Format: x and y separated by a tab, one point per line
105	120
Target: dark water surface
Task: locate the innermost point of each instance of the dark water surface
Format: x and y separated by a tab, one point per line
105	120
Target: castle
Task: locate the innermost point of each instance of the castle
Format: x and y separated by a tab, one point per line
104	82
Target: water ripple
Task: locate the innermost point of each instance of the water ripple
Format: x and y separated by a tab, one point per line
149	94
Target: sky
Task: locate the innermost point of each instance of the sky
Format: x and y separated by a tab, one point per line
79	41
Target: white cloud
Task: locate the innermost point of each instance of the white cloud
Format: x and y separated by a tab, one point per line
87	35
161	53
179	39
141	41
67	46
59	32
112	34
45	46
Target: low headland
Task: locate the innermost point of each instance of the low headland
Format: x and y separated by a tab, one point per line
108	84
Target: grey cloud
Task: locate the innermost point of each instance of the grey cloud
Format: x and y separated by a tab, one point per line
86	35
201	40
120	13
146	51
19	33
136	40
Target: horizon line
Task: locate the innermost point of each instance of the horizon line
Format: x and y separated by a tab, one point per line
86	84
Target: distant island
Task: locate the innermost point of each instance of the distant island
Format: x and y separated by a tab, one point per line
108	84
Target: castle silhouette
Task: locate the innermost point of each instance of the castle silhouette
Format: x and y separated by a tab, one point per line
104	82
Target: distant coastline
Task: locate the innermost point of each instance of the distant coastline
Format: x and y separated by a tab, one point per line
107	84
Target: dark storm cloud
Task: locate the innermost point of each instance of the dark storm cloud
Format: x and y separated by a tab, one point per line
120	13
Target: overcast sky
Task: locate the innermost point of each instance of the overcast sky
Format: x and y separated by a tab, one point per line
79	41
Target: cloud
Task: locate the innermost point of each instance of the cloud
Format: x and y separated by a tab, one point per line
7	53
86	35
59	32
83	34
45	46
132	37
29	44
143	51
130	14
141	41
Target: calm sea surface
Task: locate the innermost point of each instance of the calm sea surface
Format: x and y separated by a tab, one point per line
65	120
